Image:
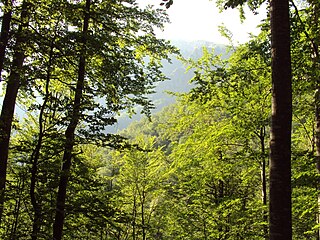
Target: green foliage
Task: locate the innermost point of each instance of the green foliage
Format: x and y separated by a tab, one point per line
137	187
193	171
213	140
216	140
118	77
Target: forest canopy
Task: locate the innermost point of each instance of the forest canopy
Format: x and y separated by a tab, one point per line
199	169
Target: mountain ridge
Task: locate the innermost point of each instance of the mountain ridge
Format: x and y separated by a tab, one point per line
178	77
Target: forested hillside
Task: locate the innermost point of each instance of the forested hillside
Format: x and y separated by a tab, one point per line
197	169
215	143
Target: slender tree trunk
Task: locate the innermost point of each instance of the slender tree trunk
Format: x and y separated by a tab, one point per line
70	132
280	143
9	102
263	179
204	229
143	197
134	214
21	182
36	154
5	28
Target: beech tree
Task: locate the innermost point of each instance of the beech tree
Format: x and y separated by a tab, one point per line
280	142
116	72
118	59
5	29
138	187
306	23
11	93
70	131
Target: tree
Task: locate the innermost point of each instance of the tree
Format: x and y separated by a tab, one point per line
140	179
9	101
216	147
280	142
114	74
70	131
5	29
307	23
240	89
113	70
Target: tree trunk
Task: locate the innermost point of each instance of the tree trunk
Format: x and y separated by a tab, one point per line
9	102
36	154
19	193
317	143
317	132
5	28
143	197
69	134
134	216
262	135
280	143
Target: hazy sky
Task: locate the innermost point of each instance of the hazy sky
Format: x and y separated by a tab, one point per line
199	20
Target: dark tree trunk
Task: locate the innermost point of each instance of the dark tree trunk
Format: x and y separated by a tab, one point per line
280	143
9	102
36	154
19	193
5	28
262	136
263	166
70	132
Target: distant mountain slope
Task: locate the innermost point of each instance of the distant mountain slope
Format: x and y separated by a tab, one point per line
178	77
177	73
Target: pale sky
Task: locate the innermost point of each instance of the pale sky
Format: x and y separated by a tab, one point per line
199	20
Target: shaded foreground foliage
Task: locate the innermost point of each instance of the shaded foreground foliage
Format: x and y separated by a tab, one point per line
72	66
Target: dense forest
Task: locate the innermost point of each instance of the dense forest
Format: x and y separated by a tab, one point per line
198	169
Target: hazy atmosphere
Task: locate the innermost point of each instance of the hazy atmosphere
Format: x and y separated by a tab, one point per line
199	20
